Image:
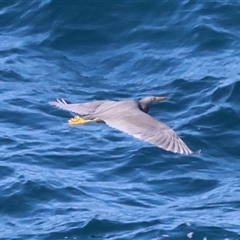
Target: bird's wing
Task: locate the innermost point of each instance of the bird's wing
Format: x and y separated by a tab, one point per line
146	128
79	108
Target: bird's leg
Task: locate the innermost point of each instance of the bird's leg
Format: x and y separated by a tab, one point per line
79	120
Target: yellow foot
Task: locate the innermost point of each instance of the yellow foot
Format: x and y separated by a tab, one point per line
78	120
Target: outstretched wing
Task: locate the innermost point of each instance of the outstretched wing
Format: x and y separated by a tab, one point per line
79	108
146	128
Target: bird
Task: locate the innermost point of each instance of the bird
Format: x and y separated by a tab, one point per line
128	116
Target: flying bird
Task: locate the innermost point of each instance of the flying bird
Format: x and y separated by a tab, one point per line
129	116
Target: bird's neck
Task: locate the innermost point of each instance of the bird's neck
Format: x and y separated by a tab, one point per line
144	107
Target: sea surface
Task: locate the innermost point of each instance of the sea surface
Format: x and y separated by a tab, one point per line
93	182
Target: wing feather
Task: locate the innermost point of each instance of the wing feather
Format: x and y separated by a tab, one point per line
79	108
146	128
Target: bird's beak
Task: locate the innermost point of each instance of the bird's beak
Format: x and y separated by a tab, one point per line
160	98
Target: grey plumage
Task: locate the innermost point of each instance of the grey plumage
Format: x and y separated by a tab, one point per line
131	117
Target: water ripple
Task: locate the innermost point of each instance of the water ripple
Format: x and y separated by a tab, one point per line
91	181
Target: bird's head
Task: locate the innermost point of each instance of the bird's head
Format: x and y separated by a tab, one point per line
151	99
147	101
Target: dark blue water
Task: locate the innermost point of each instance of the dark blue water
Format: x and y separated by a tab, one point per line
93	182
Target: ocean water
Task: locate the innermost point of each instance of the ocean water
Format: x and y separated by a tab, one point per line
94	182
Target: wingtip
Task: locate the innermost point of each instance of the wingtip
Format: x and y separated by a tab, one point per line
198	151
57	102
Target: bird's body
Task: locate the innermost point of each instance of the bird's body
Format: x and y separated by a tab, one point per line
128	116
